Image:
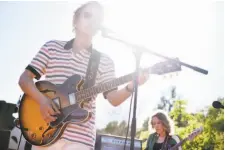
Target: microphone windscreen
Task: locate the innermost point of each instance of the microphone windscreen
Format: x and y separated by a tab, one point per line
217	104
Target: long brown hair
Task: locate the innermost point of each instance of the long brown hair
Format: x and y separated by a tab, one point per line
164	119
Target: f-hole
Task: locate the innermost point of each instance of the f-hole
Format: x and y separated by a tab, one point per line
48	91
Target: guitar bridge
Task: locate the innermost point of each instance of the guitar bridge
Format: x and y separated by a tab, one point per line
48	91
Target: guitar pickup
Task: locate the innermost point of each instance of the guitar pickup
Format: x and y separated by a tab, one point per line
57	102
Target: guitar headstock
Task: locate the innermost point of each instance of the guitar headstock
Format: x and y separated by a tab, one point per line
195	133
165	67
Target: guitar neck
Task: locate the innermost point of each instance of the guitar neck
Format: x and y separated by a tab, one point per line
159	68
192	135
87	93
178	144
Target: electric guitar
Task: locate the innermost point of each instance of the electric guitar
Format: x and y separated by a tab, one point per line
190	137
70	99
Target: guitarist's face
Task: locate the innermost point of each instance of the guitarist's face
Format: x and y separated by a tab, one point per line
157	125
89	20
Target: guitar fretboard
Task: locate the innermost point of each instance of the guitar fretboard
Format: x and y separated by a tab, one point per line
87	93
159	68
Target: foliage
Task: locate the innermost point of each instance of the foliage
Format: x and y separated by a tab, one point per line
115	128
166	104
212	122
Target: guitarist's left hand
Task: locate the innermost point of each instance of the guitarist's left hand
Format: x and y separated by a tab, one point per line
143	77
117	97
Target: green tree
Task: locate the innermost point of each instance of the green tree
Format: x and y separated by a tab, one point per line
179	114
144	137
111	127
166	104
212	121
115	128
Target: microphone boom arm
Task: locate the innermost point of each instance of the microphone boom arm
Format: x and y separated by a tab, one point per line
144	49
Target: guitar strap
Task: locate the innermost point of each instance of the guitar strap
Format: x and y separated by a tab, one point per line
91	73
92	69
165	143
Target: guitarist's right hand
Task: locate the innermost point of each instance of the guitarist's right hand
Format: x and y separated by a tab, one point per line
27	85
47	111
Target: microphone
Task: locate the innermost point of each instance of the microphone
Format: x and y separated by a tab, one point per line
217	105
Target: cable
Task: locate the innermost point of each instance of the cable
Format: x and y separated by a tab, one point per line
19	141
131	99
16	122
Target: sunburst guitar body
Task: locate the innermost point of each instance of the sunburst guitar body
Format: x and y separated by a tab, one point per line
34	128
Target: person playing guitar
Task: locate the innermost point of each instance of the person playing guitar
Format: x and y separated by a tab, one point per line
58	60
161	139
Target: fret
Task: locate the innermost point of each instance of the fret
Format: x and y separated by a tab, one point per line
88	93
98	89
92	91
114	82
104	86
95	90
101	88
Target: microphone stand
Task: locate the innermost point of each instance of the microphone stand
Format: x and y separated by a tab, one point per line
135	89
138	52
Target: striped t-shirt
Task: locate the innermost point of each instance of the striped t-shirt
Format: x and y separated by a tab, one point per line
58	62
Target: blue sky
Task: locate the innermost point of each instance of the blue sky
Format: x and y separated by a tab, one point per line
191	30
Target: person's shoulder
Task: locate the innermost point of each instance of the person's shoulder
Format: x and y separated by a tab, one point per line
106	59
55	43
153	135
174	140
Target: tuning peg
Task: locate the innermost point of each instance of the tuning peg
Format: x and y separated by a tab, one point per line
164	77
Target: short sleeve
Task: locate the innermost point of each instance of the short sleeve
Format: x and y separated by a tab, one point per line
175	139
107	73
39	63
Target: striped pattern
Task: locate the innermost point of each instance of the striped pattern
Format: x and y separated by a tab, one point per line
57	64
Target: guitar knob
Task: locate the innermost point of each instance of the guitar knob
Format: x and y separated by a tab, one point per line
41	128
49	135
33	135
